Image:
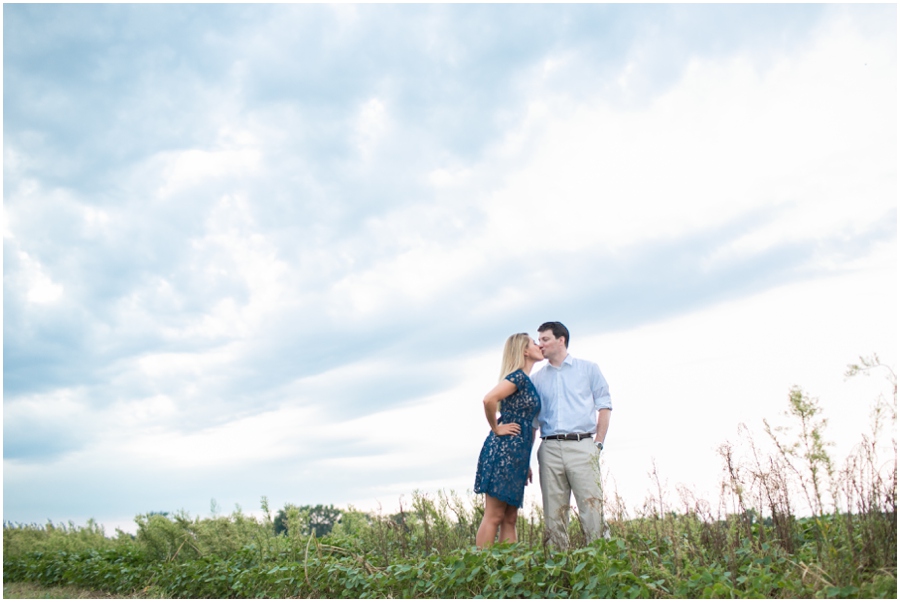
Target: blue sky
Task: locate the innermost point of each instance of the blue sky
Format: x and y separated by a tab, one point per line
275	250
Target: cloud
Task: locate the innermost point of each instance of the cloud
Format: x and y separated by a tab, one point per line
270	237
42	428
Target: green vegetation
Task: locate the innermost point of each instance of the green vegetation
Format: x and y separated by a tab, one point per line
34	591
320	519
753	543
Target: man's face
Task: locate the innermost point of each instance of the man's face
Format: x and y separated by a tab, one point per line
550	345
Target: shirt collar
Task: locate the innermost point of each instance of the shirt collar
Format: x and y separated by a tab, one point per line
569	360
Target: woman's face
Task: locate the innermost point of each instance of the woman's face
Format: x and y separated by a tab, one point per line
533	351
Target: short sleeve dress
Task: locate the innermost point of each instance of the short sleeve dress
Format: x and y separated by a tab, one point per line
503	463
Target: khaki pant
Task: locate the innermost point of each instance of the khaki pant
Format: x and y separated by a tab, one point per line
568	467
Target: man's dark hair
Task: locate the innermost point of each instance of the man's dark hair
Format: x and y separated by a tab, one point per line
559	330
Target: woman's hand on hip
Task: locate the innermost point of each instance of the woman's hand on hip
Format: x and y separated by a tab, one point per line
507	429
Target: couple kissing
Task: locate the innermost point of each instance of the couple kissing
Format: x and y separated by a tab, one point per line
568	401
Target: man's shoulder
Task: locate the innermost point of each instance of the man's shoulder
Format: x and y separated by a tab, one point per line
580	363
584	366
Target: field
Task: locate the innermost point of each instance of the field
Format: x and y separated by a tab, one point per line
751	543
32	591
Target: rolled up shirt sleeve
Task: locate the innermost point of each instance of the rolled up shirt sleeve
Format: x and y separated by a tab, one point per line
600	389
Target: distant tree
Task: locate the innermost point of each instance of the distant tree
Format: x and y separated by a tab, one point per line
281	519
323	518
319	519
352	522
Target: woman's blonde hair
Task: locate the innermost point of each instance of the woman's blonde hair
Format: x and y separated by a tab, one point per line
514	353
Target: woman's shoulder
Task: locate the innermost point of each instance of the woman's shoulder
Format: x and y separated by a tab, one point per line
517	376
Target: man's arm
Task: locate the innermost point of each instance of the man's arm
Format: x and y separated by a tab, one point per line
602	424
602	403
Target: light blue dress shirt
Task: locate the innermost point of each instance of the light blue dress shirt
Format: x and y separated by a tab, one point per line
571	395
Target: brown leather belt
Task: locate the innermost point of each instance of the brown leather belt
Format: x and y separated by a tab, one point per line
569	437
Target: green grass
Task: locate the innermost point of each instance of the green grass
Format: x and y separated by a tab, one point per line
36	591
428	553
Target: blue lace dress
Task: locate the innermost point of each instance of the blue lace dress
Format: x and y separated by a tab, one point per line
503	463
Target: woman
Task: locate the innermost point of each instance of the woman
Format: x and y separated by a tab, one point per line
503	469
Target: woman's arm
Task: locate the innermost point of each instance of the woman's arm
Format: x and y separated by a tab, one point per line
492	401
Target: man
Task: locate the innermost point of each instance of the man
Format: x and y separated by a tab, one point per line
574	418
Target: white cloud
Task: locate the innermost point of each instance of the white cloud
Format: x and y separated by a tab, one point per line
41	289
242	442
168	365
371	125
140	413
234	246
807	136
63	405
192	167
446	178
217	277
414	277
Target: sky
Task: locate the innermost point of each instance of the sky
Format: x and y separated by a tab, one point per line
275	250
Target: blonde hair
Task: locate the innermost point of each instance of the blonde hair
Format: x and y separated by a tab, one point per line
514	353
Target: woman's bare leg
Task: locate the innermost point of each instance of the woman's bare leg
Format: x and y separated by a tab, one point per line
508	526
494	512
